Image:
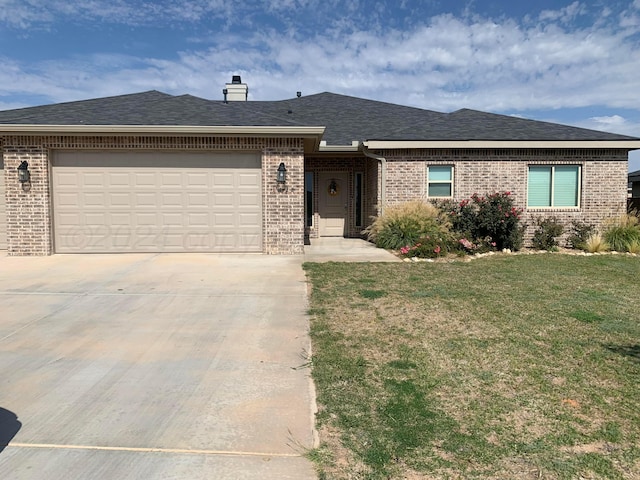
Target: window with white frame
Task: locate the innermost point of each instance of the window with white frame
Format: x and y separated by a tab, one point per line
553	186
440	181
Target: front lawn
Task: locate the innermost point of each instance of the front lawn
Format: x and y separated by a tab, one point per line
519	367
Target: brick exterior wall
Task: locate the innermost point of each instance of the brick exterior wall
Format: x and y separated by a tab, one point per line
603	176
29	213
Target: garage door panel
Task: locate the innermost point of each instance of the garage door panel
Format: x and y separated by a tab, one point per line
116	199
223	180
149	220
119	219
180	201
143	180
248	179
93	180
68	179
195	220
248	220
70	220
99	218
249	240
196	180
223	199
172	219
198	200
171	200
69	199
145	199
221	220
249	200
226	240
94	199
118	180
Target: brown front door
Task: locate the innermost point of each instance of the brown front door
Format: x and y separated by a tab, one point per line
332	201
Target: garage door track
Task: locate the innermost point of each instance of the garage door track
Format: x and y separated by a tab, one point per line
170	366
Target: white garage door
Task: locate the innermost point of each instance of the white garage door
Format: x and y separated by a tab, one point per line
3	208
156	202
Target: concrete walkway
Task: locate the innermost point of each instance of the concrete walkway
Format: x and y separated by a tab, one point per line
172	366
336	249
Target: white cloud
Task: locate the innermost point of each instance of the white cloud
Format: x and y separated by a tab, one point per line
443	64
564	15
21	14
609	121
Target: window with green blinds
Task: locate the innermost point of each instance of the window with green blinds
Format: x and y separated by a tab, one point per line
553	186
440	181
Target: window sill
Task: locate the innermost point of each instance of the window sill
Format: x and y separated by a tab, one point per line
553	209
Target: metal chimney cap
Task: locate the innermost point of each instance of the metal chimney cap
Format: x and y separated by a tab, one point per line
236	79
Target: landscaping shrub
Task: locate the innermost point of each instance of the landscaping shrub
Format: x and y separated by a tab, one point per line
406	224
596	243
623	233
546	235
437	243
578	234
492	219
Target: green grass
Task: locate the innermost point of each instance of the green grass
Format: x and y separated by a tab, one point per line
505	367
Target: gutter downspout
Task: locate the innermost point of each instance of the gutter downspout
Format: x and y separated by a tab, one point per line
383	175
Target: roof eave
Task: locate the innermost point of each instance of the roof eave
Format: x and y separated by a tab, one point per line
271	131
393	144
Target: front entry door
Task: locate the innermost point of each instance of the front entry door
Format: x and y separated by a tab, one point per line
332	201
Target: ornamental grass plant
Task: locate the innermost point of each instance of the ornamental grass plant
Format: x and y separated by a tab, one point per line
595	243
406	224
623	232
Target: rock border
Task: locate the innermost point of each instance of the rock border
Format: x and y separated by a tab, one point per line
506	251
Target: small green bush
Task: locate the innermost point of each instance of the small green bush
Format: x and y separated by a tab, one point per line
405	224
623	233
546	235
578	234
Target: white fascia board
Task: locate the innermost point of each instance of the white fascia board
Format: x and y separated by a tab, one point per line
390	144
253	131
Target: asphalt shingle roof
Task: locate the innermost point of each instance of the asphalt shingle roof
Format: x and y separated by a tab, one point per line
346	118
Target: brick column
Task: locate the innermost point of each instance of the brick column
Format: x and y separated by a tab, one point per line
283	211
28	205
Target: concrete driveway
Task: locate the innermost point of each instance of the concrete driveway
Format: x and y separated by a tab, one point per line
171	366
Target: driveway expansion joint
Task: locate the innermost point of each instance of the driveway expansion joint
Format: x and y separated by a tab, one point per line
178	451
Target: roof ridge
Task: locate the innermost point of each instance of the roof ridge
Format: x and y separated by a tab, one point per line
88	100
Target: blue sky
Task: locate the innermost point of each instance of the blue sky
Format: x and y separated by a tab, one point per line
572	62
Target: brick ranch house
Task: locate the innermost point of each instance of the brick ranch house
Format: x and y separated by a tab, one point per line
152	172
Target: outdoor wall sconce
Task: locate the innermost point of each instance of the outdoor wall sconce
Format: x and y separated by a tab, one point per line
281	177
24	176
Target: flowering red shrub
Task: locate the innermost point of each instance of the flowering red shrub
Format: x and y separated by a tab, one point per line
492	219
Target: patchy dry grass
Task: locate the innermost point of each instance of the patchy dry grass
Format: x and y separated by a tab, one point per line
520	367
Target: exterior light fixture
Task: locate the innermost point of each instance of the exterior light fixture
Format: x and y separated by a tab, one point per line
24	176
281	177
